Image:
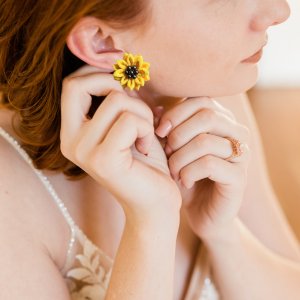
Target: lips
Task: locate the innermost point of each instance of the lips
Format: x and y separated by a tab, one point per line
255	58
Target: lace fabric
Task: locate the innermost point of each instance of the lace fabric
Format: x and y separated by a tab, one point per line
87	268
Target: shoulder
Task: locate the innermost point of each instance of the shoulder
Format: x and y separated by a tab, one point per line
25	234
27	210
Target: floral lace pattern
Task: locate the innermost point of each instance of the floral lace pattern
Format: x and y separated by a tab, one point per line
90	273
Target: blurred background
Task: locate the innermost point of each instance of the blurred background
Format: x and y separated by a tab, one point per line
276	104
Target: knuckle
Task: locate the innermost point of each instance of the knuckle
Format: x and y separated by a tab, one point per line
206	101
176	113
175	139
247	133
97	161
71	82
208	163
203	141
210	115
65	146
64	150
172	163
128	118
78	153
184	174
116	98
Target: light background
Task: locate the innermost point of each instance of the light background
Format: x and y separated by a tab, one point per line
275	101
280	64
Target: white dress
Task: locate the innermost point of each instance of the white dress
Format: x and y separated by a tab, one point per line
87	269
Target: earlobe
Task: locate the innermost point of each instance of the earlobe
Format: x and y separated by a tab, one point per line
88	42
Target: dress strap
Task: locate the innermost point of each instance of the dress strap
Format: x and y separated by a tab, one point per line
47	184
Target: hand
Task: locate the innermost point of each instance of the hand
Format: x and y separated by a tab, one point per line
110	147
196	149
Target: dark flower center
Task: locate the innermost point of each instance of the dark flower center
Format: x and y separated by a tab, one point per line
131	72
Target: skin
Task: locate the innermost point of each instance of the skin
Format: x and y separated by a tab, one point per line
212	38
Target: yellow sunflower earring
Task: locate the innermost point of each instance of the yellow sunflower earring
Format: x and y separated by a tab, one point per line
131	71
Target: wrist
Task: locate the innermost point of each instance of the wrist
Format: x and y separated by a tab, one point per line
226	236
167	223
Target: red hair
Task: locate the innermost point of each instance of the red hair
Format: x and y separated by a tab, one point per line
34	59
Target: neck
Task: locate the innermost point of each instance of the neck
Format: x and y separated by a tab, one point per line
154	99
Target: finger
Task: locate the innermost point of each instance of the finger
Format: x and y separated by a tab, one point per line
187	109
107	114
123	134
206	121
216	169
158	112
76	101
88	69
201	145
76	98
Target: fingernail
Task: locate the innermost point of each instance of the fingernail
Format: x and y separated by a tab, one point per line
164	128
167	149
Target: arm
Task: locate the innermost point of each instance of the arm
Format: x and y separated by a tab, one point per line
261	251
28	271
260	210
144	265
143	268
246	269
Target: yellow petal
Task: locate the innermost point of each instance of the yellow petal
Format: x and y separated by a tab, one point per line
125	56
145	65
118	78
116	67
124	80
130	59
131	84
139	80
122	64
119	73
138	60
137	87
143	71
146	77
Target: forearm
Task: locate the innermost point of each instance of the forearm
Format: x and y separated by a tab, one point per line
245	269
144	265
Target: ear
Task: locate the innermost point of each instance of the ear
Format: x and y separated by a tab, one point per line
94	42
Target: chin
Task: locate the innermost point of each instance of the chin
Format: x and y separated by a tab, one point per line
241	82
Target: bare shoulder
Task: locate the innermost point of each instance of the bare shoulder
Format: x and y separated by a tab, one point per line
28	213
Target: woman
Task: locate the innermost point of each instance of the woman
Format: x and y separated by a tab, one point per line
132	209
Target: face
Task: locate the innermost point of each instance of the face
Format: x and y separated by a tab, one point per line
199	47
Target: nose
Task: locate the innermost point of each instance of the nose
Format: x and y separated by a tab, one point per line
270	13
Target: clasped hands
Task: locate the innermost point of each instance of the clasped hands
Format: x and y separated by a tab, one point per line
196	151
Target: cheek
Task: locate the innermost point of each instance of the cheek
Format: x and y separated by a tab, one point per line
196	58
